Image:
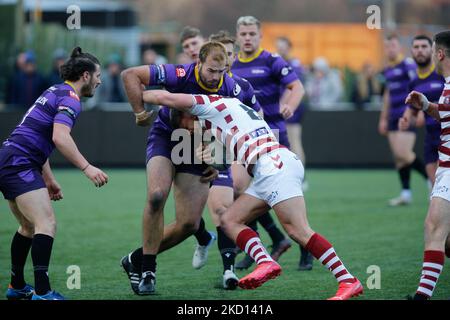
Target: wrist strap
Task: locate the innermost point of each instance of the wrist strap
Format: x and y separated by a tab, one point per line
86	167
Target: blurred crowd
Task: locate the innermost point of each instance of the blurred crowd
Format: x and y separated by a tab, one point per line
327	88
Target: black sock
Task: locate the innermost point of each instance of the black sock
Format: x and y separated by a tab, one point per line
253	225
226	249
20	246
269	225
405	176
203	236
41	250
419	166
136	257
149	263
303	251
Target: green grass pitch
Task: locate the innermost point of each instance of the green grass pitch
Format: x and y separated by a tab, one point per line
96	227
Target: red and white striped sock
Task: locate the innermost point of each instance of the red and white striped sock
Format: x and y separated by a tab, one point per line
249	241
322	250
433	263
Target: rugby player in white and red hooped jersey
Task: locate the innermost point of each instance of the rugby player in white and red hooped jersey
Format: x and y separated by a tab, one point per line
269	74
277	182
437	222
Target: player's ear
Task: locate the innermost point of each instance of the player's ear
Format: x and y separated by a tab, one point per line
86	75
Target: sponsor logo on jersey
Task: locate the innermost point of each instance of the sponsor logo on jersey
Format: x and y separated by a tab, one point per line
258	132
180	72
236	89
74	95
436	85
67	111
284	71
447	100
258	71
161	74
254	99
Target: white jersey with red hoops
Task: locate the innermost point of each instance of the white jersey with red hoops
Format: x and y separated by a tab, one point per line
244	133
444	114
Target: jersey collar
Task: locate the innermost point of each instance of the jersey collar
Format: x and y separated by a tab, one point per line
397	60
200	83
72	86
251	58
425	74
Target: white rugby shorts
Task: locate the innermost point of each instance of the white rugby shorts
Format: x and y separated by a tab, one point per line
277	176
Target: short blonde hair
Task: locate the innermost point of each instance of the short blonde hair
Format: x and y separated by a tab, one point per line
248	21
214	48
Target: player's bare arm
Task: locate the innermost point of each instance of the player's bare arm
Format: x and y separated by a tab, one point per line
383	122
65	144
53	187
180	101
134	80
292	96
420	102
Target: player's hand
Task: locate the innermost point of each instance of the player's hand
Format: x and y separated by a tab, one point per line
404	123
97	176
417	100
145	118
54	190
421	121
209	175
286	111
204	153
383	126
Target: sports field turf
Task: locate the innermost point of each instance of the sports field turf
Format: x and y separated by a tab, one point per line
96	227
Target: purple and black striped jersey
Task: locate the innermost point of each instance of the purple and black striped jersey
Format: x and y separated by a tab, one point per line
431	86
185	79
397	81
57	104
267	73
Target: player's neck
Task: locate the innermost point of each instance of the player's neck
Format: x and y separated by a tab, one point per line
249	56
76	86
425	71
399	58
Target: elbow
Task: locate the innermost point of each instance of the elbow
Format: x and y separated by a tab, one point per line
58	138
125	74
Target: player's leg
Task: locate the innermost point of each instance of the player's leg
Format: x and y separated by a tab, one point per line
190	198
247	207
401	145
219	200
35	206
294	131
437	229
292	215
160	173
241	181
20	247
280	243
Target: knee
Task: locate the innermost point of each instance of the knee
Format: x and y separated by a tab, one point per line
156	200
220	210
189	227
26	229
46	227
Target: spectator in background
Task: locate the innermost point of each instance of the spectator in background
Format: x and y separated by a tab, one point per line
112	89
150	56
324	88
26	83
367	87
183	58
59	57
